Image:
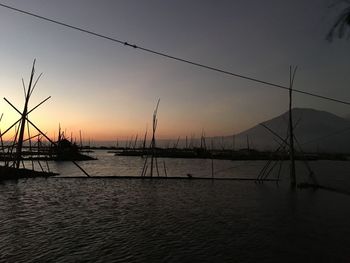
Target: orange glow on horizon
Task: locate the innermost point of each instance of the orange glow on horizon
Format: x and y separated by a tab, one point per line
106	133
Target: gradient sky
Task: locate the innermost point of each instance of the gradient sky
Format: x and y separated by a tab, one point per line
109	91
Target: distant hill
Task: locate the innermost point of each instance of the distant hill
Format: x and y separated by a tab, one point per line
315	131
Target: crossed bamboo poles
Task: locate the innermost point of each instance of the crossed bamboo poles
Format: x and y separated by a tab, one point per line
24	119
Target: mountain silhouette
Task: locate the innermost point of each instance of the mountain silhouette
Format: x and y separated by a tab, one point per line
316	131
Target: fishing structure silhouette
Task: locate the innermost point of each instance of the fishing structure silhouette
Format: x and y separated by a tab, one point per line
13	160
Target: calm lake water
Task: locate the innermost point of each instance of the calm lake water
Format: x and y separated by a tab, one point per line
132	220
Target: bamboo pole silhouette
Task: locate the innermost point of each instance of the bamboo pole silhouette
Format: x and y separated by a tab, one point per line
153	142
23	120
152	146
291	130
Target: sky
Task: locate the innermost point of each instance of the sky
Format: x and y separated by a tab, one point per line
109	91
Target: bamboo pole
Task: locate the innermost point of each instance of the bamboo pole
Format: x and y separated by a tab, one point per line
291	132
135	142
153	142
23	121
81	140
177	143
144	140
30	145
165	172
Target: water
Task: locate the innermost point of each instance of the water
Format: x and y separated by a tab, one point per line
74	220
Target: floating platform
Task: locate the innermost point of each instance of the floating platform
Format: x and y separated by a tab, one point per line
167	178
11	173
241	155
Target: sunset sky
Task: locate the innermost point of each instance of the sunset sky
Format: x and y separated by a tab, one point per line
109	91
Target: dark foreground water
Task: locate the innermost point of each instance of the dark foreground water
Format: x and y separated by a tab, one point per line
133	220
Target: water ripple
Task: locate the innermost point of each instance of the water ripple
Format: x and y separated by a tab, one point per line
72	220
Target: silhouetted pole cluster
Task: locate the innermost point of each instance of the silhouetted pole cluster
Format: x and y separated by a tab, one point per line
285	143
154	161
19	134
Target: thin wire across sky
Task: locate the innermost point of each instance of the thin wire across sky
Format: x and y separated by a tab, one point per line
162	54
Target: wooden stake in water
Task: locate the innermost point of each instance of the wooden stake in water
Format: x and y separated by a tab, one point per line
23	121
165	172
291	132
152	146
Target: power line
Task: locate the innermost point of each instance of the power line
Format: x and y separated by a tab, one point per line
172	57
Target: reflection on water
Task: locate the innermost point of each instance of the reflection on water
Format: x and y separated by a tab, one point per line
72	220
